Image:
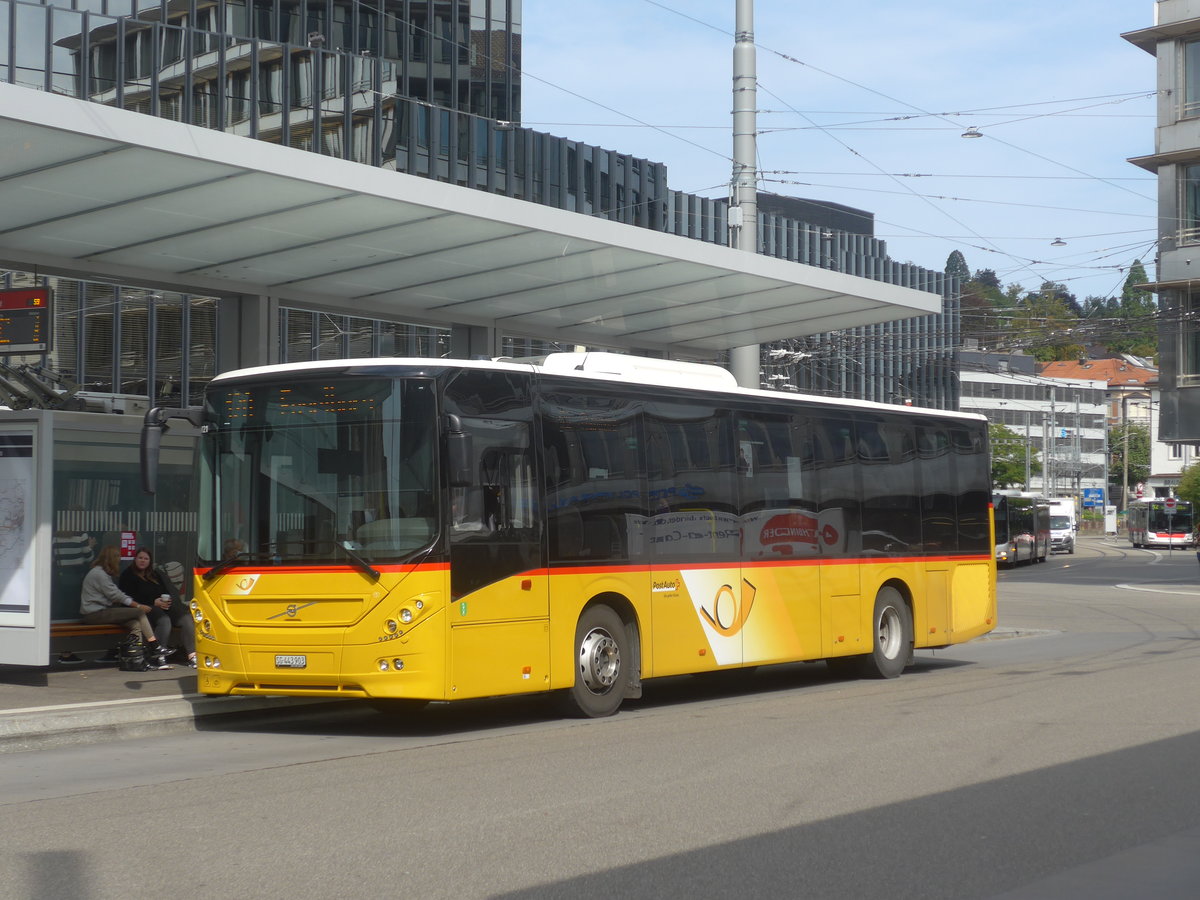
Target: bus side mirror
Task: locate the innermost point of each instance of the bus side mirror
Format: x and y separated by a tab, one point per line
154	426
458	453
148	449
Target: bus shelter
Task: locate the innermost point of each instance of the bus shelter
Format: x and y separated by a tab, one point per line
95	192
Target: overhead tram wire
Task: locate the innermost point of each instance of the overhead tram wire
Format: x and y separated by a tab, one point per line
665	130
907	189
806	118
973	113
922	111
910	192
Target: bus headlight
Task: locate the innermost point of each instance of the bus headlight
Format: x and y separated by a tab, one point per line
406	615
197	612
391	626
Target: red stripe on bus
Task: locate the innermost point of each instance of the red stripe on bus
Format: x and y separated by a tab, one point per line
339	569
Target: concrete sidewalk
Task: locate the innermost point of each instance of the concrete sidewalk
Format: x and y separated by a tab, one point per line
59	704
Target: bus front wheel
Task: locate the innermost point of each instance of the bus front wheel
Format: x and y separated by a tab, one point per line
893	634
601	663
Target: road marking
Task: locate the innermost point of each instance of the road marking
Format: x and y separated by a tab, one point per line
1154	590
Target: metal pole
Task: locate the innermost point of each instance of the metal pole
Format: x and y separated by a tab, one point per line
743	211
1051	473
1027	467
1125	452
1079	454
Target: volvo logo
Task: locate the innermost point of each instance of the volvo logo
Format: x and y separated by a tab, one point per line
291	610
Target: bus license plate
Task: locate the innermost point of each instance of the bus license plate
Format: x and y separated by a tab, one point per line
290	661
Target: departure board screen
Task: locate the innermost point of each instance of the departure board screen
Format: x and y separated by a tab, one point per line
25	321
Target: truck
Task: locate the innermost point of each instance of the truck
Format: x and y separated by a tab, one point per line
1063	524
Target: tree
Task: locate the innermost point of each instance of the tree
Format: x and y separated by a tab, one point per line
1189	485
1046	324
987	278
983	305
1139	456
1008	457
956	267
1137	312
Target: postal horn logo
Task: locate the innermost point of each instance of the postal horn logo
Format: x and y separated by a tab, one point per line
729	611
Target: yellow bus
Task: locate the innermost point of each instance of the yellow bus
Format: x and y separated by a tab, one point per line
433	530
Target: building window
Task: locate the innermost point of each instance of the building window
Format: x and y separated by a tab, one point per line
1189	338
1189	205
1176	451
1191	80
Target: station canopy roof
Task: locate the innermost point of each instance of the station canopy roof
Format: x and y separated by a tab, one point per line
97	192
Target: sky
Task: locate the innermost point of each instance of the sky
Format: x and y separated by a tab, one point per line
865	102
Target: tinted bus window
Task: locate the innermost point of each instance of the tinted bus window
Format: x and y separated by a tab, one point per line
891	522
595	487
495	521
972	471
691	469
777	486
939	488
838	487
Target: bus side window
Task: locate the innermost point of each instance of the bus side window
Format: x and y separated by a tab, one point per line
593	450
495	529
839	487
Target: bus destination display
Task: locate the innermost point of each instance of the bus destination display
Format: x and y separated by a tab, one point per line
25	321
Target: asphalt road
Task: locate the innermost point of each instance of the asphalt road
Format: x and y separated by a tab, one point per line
1059	762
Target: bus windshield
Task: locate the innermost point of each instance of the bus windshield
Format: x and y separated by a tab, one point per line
1158	518
318	470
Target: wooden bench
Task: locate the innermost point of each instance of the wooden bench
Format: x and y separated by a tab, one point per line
64	634
78	629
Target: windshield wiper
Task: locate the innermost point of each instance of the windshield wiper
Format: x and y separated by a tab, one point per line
228	563
360	562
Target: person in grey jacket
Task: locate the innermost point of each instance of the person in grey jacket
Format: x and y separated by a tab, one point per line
101	602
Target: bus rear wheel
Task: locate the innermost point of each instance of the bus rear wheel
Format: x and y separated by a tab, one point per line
601	663
891	626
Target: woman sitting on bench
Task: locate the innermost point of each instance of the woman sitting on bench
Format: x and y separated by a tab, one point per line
147	585
101	602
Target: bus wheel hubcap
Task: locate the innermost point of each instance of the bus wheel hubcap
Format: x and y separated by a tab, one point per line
599	660
889	633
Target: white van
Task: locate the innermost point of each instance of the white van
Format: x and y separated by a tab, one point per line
1062	524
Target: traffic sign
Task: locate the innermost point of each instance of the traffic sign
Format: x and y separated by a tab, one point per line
1169	503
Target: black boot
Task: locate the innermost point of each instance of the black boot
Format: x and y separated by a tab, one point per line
156	656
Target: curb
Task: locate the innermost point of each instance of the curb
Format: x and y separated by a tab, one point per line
40	727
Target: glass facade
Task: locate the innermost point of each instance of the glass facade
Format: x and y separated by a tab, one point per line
431	89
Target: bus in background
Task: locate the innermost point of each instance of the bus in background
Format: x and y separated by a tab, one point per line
1160	522
414	530
1022	528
